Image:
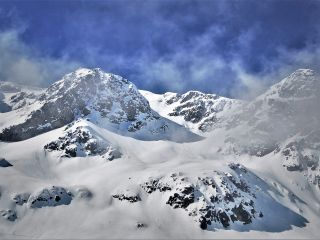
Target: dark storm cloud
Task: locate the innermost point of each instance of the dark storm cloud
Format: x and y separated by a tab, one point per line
233	48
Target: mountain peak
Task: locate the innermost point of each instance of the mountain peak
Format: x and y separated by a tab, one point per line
300	84
105	99
86	76
87	72
303	72
89	93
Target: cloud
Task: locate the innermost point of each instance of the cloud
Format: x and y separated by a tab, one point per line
21	64
247	85
165	72
180	71
235	49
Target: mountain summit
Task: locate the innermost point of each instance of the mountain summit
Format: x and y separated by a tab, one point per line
103	98
86	91
303	83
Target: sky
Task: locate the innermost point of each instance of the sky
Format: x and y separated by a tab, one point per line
232	48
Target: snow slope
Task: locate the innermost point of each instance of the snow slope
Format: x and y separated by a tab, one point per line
85	179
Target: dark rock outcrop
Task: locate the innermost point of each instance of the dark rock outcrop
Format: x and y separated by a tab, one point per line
9	214
21	198
4	163
127	197
200	108
214	201
80	141
50	197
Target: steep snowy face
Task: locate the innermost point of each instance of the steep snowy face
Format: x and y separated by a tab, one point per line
281	121
294	99
303	83
196	110
301	153
89	93
287	108
90	90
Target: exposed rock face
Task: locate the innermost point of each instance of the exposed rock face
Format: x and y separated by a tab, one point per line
141	225
200	108
302	153
154	184
50	197
182	198
9	214
82	93
201	111
4	163
79	141
127	195
22	99
214	201
21	198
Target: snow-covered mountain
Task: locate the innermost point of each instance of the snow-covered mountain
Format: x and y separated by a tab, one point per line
284	120
103	98
195	110
94	157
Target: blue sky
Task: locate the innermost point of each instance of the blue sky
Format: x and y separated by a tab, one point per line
233	48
